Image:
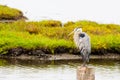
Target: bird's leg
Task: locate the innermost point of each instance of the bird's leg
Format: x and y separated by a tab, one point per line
84	64
84	61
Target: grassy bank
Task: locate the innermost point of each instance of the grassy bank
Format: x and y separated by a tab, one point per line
50	34
25	40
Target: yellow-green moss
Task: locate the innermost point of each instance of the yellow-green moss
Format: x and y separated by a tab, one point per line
7	13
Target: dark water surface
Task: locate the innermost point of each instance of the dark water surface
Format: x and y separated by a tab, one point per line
12	69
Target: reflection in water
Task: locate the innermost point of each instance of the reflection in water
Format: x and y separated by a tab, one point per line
12	69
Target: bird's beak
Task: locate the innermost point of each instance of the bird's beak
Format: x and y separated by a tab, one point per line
71	33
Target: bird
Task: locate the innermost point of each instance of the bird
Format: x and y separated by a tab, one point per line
82	41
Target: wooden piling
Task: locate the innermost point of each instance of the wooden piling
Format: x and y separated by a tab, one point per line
85	73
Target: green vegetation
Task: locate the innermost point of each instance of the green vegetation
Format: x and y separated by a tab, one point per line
25	40
32	35
7	13
50	34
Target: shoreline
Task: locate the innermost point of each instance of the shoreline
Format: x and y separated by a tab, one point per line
63	56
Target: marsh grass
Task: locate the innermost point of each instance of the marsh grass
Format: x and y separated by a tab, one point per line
25	40
7	13
32	35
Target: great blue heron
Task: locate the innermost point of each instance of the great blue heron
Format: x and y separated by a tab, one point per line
82	41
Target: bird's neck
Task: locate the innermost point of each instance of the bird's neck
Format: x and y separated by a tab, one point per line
76	38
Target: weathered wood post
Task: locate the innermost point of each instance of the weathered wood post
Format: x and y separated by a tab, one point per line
85	73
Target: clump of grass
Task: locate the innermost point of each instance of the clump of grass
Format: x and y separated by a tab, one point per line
7	13
32	29
50	23
83	23
69	23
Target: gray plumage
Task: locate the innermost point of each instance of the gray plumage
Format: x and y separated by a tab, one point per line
82	41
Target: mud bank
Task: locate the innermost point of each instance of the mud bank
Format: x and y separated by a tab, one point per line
62	56
59	54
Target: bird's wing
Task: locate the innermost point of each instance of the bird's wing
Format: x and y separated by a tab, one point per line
84	42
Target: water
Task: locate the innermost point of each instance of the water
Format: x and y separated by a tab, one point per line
11	69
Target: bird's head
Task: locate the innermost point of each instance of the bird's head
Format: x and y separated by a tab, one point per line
79	30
